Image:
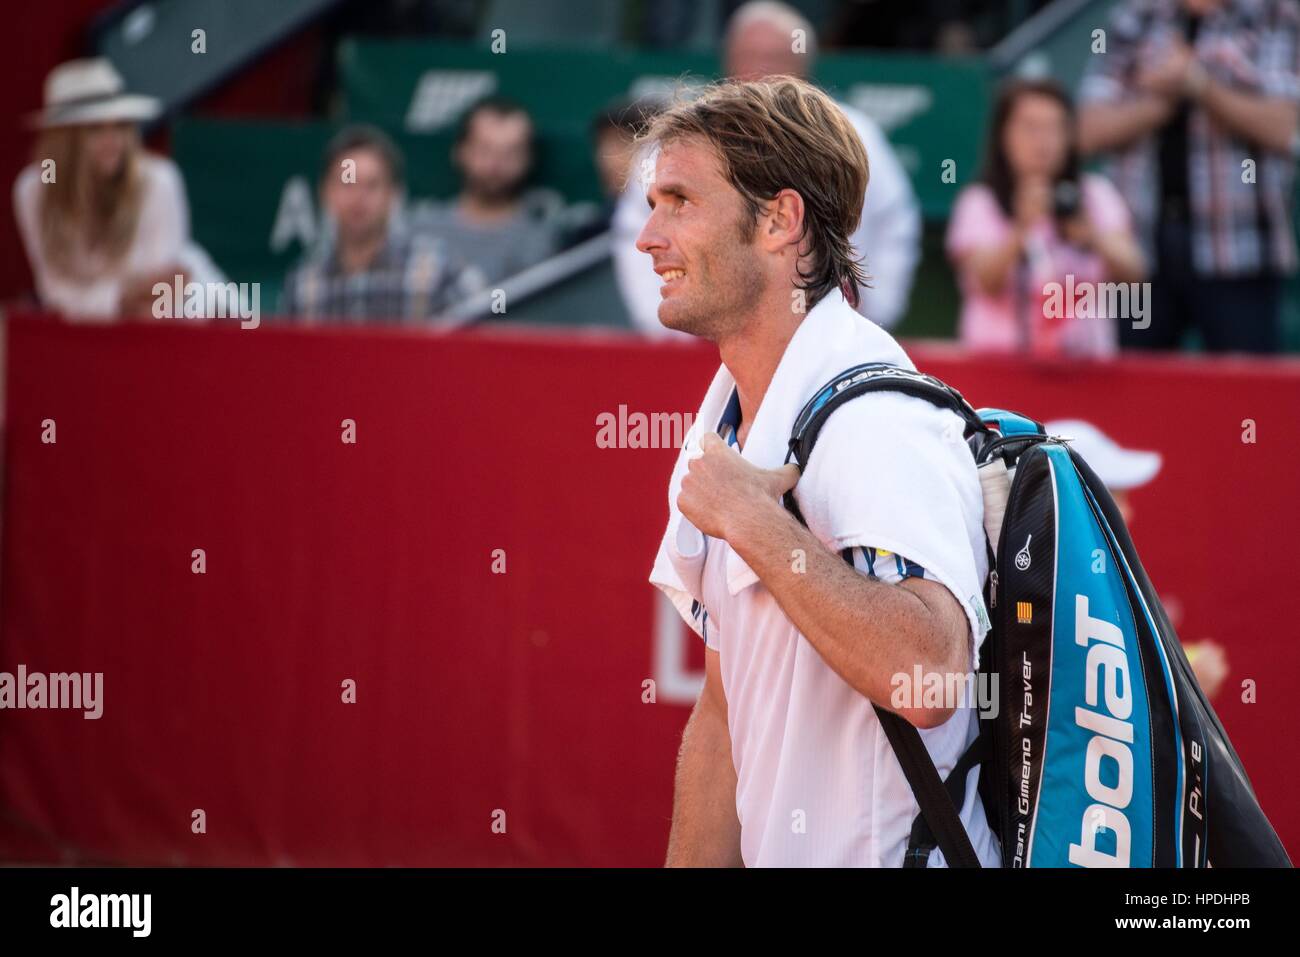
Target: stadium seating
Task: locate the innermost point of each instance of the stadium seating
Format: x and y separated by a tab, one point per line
255	215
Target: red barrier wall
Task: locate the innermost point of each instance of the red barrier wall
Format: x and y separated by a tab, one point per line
480	697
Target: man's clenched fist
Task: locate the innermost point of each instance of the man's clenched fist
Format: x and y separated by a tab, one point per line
720	487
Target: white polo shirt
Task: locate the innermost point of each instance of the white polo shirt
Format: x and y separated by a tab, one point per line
892	483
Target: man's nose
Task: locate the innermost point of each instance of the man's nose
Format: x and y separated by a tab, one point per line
651	236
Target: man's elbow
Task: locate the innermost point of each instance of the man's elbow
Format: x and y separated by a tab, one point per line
1085	133
951	672
1283	138
923	719
1091	129
1279	134
952	666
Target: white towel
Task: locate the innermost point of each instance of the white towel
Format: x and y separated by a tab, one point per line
936	477
831	338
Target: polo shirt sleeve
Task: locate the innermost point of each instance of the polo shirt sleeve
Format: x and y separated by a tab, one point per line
891	477
882	564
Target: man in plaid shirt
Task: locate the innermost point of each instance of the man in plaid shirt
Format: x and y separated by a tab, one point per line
1198	101
372	271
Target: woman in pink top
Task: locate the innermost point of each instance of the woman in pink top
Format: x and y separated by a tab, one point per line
1033	238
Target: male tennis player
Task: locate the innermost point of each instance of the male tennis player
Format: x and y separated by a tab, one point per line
755	190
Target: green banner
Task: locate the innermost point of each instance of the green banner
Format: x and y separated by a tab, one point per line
253	185
932	109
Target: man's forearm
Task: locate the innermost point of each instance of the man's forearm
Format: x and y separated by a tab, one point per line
867	631
1266	121
1114	126
705	830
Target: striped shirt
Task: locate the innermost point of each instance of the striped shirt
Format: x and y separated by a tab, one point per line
1240	223
412	281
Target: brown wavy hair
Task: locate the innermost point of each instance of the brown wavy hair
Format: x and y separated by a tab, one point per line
784	133
78	215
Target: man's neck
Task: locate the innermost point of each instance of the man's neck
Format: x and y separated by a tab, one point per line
753	353
358	255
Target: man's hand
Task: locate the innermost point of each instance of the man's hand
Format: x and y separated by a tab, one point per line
720	487
1168	77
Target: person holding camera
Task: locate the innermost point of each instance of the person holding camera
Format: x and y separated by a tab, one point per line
1035	242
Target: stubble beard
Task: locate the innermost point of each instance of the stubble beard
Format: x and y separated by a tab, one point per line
722	297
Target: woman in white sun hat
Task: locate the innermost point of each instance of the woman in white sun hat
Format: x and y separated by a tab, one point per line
1123	470
101	219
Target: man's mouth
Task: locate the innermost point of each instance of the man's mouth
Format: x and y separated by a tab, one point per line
670	276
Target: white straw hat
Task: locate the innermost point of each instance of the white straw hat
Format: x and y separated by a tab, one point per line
91	91
1118	467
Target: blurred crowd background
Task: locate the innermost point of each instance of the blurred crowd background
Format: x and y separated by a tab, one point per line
431	163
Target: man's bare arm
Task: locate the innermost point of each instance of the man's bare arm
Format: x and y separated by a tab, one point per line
1267	121
705	830
866	630
1106	127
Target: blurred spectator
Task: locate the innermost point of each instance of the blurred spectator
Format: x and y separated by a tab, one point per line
945	26
371	268
1123	470
489	224
760	42
1032	220
102	220
1197	102
613	133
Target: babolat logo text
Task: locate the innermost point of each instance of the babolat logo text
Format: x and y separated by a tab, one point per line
102	910
1112	739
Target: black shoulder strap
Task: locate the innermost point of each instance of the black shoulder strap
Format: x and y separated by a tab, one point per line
939	814
859	380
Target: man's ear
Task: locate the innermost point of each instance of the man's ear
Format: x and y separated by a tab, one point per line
785	219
